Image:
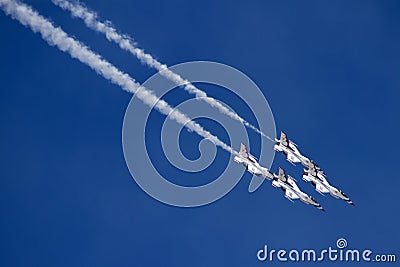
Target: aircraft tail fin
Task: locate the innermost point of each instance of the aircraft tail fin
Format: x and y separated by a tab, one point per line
284	140
281	175
312	168
243	150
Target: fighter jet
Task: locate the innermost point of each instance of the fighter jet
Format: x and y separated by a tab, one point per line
318	179
289	149
292	191
251	164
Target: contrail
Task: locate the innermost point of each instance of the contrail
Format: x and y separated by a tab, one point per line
125	42
55	36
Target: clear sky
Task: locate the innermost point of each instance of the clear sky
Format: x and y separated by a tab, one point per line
329	70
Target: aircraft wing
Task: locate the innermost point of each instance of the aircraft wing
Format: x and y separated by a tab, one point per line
290	194
291	181
320	188
322	178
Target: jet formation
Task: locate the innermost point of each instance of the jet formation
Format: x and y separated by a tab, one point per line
312	173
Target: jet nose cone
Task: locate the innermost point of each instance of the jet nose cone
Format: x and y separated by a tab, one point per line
320	208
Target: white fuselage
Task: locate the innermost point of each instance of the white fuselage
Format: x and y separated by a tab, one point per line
253	166
322	185
293	155
291	192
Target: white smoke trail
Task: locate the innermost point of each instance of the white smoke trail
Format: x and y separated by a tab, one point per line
126	43
55	36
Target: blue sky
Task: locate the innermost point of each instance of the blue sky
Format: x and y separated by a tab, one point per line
328	69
